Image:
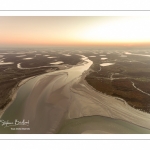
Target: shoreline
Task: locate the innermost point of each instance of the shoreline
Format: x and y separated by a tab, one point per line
105	105
13	94
117	98
92	88
14	90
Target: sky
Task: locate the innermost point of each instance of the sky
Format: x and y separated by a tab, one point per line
74	30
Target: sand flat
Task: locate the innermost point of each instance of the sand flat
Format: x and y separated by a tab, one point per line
69	92
64	94
88	102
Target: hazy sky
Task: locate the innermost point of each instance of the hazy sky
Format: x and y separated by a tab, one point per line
70	31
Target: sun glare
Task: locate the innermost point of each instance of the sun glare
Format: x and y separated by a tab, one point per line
75	30
124	30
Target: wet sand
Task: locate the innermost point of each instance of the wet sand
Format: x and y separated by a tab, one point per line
48	103
87	102
64	94
15	89
71	97
100	125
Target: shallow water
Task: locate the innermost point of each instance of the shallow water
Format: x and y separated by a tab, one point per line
92	56
51	57
106	64
136	54
21	56
15	110
123	56
27	58
104	58
6	63
66	54
57	63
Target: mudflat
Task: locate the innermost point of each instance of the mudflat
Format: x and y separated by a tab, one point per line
54	98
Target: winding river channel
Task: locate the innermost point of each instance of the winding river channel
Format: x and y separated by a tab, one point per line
45	104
